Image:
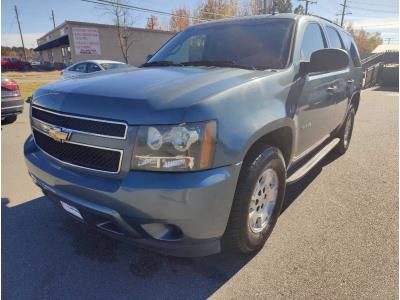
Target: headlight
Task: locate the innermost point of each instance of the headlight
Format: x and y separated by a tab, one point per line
186	147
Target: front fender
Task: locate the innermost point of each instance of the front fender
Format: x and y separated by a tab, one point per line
269	128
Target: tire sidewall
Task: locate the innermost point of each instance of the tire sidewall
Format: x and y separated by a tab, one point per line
342	147
351	115
271	158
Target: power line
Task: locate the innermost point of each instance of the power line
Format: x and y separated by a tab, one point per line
142	9
373	10
333	5
380	4
374	4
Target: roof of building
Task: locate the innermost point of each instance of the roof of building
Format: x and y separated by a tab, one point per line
99	25
386	48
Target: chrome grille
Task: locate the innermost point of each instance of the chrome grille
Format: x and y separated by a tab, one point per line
75	140
85	156
111	129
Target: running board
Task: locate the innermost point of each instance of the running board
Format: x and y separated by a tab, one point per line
301	172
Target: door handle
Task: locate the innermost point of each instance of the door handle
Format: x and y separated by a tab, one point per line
332	89
350	81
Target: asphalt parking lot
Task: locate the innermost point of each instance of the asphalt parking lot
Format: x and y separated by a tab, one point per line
336	239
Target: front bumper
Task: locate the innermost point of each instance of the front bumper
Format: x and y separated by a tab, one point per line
181	214
11	106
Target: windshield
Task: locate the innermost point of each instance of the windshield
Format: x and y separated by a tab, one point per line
108	66
257	44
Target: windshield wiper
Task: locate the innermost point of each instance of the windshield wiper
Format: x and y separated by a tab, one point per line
161	63
218	63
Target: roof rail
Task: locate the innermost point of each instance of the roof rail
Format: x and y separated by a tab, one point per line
325	19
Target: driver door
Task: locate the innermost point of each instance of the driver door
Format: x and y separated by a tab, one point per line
315	115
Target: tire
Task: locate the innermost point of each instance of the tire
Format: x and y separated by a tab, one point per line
242	233
9	120
345	137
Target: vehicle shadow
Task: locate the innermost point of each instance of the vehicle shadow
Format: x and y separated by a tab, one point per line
293	191
385	89
46	254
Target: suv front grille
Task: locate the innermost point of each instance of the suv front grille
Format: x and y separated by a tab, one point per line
82	124
85	156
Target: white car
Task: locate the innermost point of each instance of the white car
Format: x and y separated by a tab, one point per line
90	66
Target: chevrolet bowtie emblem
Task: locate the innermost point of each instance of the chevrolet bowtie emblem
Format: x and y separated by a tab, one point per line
58	135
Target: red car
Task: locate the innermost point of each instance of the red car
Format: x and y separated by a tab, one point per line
13	63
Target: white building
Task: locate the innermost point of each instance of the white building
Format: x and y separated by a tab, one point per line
73	41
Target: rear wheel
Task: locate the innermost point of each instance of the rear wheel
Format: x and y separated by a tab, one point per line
345	133
257	203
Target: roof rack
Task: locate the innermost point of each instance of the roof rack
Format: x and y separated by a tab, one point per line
325	19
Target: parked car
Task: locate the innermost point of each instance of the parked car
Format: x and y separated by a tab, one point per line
192	152
35	62
91	66
11	102
13	63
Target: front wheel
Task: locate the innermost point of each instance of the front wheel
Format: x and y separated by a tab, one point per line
345	133
257	203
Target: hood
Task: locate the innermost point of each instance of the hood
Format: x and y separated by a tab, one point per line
154	95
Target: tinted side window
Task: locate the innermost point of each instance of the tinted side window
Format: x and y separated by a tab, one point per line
92	68
334	38
352	49
79	68
313	40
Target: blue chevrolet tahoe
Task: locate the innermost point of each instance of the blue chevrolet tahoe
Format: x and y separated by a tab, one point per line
191	153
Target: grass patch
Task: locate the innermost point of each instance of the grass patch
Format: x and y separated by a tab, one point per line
30	81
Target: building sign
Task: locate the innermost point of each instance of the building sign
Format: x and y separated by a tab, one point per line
86	41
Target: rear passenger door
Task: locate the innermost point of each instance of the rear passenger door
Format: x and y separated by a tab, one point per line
355	78
341	79
316	103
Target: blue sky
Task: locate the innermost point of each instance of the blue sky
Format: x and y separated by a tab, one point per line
35	20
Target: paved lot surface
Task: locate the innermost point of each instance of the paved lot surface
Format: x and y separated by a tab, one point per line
336	239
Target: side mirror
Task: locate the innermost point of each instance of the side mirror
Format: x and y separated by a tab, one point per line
325	60
149	57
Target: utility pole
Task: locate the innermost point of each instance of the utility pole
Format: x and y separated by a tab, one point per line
388	40
20	32
52	16
344	12
150	22
308	2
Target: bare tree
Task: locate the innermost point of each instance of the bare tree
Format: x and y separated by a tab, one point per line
180	19
249	8
216	9
152	23
123	21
